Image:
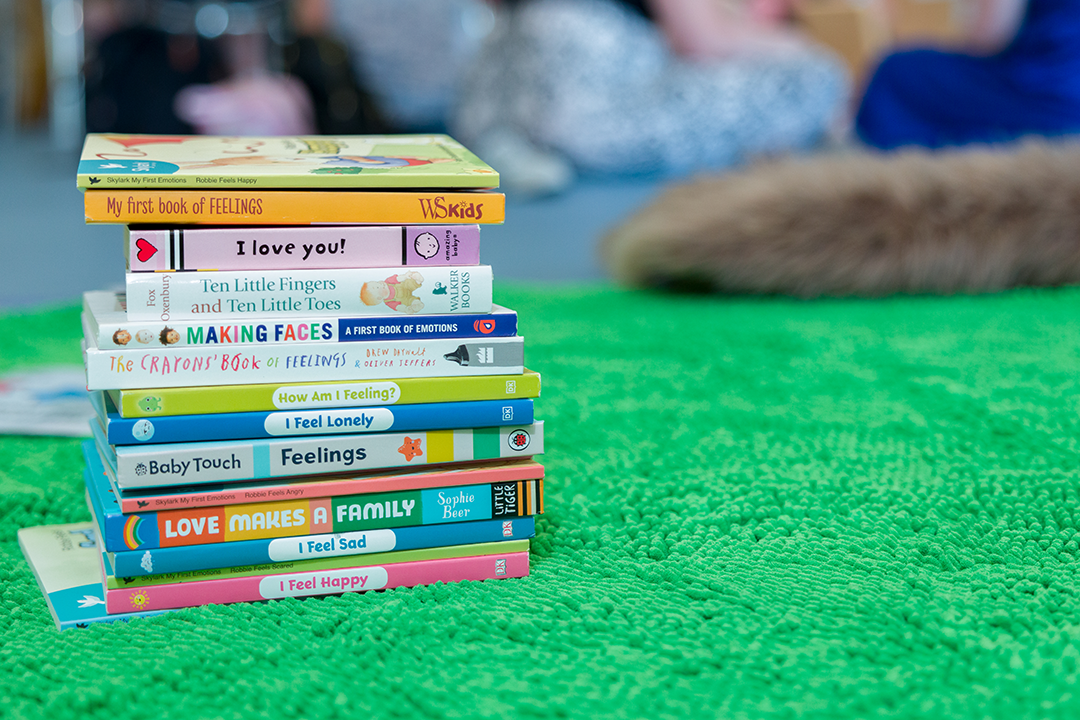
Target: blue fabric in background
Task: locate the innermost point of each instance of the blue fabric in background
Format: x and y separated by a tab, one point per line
933	98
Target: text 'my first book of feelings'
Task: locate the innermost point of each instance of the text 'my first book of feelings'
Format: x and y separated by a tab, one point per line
262	272
185	180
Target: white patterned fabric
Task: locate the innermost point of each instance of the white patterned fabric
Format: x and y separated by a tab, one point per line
595	81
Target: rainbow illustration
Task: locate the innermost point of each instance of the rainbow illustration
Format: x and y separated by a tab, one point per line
131	532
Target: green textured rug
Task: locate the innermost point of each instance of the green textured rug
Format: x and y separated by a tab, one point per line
755	508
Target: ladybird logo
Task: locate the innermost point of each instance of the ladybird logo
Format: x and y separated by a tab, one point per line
518	440
484	326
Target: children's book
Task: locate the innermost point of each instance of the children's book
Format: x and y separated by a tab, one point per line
237	296
157	401
300	488
319	582
292	207
156	249
45	401
114	582
287	423
191	366
234	493
221	163
335	548
295	518
169	464
135	560
107	325
66	561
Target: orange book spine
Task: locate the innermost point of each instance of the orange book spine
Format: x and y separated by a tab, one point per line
288	207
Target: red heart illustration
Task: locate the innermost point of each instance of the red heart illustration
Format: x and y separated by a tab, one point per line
146	250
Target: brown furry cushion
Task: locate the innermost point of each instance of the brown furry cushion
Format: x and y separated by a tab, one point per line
865	224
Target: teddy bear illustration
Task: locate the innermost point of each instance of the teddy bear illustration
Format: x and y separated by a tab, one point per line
395	291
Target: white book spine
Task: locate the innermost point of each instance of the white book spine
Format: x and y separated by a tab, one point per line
113	369
239	295
167	464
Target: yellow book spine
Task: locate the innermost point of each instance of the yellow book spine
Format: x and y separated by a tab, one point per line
289	207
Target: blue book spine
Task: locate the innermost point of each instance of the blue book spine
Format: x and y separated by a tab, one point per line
285	423
136	563
110	518
79	607
501	323
110	521
306	517
66	560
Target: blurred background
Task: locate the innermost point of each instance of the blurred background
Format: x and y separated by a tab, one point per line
586	107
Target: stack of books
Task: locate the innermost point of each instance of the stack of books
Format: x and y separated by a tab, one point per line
306	388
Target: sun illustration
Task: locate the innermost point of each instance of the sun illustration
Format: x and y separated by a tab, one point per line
139	600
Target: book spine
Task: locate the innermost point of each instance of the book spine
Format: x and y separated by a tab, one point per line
283	294
301	247
66	560
292	207
156	401
102	486
362	329
146	466
301	363
139	563
297	518
121	334
331	563
147	334
323	582
510	471
236	426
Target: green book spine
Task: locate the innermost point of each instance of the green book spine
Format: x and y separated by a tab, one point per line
153	402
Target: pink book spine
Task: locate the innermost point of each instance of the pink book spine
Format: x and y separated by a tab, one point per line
333	488
300	248
322	582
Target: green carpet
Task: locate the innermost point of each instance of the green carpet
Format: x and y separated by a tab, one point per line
755	508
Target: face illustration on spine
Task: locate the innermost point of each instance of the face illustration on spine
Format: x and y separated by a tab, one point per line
427	245
150	404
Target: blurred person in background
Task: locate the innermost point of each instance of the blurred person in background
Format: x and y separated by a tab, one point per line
412	54
246	67
1019	75
657	87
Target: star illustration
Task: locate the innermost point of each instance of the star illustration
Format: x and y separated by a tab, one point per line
410	448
